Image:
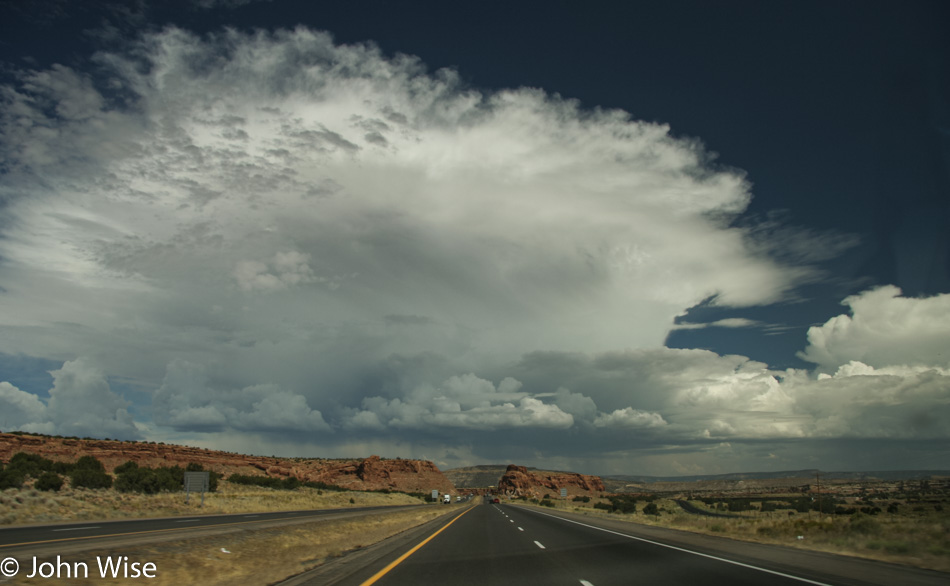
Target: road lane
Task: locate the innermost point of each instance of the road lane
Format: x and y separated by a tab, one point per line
17	537
479	548
608	557
503	544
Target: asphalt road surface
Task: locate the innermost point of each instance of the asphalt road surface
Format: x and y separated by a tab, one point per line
502	544
56	535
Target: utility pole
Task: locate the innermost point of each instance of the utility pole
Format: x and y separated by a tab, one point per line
818	478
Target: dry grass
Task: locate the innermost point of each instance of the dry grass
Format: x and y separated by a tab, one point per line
919	539
30	506
263	556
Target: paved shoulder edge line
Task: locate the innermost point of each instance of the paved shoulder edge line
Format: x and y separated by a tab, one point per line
689	551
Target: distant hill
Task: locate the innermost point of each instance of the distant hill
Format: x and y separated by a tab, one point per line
787	478
372	473
476	476
885	475
486	475
489	474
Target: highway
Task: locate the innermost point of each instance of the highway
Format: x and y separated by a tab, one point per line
89	533
504	544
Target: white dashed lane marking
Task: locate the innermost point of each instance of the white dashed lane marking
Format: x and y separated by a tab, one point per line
538	543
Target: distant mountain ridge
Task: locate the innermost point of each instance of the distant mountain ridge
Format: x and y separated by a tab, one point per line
488	475
372	473
885	475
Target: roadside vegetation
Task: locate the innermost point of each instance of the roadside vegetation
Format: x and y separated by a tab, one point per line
34	489
263	556
905	525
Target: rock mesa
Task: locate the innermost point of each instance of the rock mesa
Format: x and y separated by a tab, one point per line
373	473
518	481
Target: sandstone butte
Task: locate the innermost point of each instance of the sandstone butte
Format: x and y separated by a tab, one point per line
371	473
518	481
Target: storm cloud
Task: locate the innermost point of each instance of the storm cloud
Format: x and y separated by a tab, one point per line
275	236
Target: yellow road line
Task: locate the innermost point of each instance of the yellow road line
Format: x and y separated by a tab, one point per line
402	558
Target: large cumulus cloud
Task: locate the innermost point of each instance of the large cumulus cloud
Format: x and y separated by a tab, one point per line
884	328
81	403
221	170
185	401
277	234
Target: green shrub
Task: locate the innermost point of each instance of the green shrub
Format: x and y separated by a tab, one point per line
581	499
49	481
546	503
289	483
89	463
64	468
11	479
90	478
651	509
149	481
739	505
123	468
29	464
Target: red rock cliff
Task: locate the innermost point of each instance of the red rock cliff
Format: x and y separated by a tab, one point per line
518	481
372	473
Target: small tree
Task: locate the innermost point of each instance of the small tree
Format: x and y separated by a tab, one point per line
123	468
29	464
10	479
90	478
89	463
49	481
651	509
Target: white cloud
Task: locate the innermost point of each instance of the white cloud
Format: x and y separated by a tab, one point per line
358	187
81	403
187	401
884	329
667	396
629	417
462	402
20	410
284	270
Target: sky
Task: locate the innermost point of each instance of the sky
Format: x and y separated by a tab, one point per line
695	238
